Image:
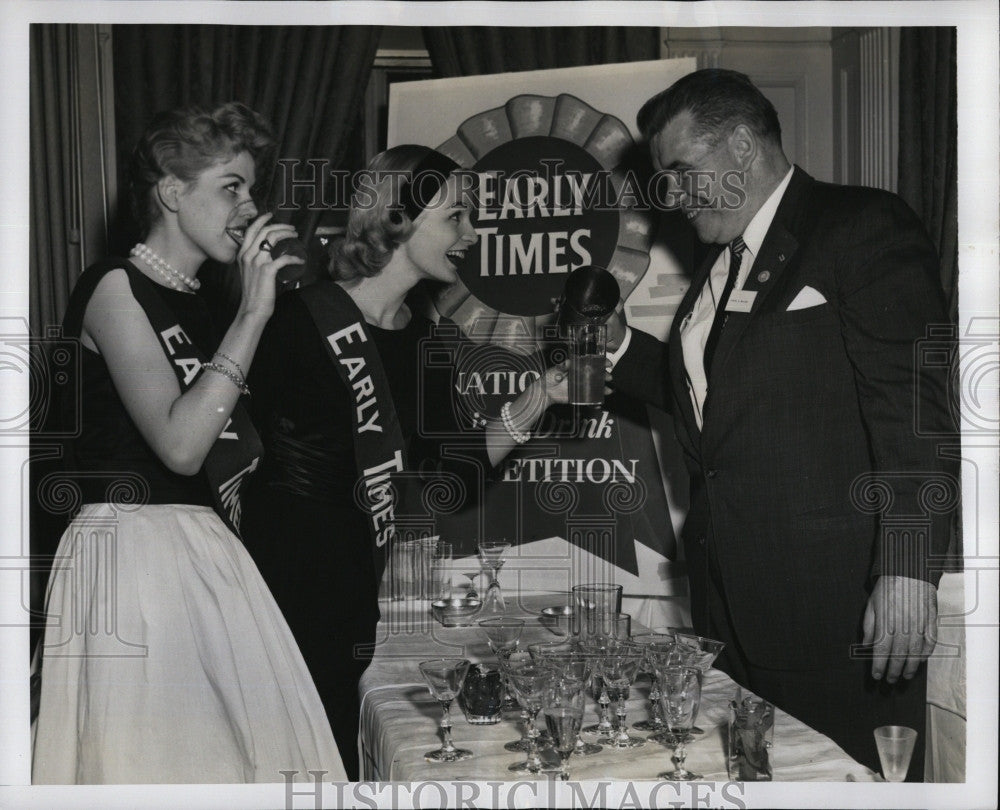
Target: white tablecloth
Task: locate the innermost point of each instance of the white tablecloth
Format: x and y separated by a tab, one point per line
946	683
399	718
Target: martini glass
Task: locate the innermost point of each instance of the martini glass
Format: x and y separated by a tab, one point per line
563	711
595	649
471	592
529	681
699	652
524	743
503	636
646	640
619	667
445	677
670	654
491	555
571	673
680	696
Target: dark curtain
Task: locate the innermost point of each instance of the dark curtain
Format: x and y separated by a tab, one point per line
928	132
54	263
309	81
928	165
472	51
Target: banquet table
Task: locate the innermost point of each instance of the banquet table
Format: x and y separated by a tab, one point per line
400	719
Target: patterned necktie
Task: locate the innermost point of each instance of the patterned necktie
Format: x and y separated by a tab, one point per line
736	248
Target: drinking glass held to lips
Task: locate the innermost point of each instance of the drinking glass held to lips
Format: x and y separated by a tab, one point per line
288	277
159	385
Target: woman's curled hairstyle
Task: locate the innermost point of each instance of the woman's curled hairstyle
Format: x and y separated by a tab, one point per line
186	141
377	224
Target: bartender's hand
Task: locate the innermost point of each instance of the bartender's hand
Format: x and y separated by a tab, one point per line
555	385
616	326
900	623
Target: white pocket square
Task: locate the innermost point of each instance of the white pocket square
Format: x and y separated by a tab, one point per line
807	297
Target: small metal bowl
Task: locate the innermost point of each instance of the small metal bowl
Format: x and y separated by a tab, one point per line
559	619
456	612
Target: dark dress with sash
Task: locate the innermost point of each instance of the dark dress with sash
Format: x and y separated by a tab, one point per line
109	441
165	658
311	541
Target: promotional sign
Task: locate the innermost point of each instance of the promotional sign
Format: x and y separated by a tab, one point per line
547	156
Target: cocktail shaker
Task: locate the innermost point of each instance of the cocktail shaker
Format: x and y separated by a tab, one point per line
589	296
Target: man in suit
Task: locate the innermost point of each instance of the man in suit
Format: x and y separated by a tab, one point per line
790	374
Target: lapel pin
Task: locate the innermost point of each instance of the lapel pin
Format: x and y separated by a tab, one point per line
781	257
763	276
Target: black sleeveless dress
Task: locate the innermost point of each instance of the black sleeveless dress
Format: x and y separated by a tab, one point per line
165	657
300	522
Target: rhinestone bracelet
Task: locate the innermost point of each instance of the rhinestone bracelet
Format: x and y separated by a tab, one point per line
236	365
229	374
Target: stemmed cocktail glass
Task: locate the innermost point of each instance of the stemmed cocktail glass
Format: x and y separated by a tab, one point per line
529	681
680	696
563	712
445	677
647	642
618	667
491	555
699	652
595	648
503	635
661	654
571	670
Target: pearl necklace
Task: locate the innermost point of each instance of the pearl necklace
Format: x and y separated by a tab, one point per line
174	278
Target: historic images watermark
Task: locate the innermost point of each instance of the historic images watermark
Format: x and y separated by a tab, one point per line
589	795
553	192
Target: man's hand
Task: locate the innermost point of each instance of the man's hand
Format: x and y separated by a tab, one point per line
555	384
901	625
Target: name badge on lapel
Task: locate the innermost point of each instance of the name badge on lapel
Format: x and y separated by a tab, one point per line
741	300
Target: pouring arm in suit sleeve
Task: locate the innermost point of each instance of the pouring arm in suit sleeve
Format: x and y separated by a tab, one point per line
641	370
889	292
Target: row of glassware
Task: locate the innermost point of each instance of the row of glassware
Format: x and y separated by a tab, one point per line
552	678
424	568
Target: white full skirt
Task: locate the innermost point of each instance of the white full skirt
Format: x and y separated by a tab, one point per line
166	660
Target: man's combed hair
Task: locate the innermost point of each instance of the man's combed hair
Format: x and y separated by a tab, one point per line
718	100
186	141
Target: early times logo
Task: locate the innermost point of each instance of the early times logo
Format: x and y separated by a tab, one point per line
536	223
548	199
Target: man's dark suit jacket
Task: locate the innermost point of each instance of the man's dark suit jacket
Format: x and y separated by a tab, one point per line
802	407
